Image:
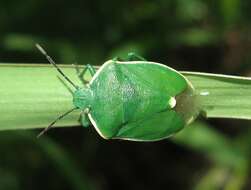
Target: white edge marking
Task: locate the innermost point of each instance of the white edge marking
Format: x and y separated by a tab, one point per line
95	126
140	140
128	139
93	78
99	70
190	120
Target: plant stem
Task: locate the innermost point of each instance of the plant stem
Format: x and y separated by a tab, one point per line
31	96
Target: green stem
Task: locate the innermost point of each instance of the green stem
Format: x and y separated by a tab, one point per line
31	96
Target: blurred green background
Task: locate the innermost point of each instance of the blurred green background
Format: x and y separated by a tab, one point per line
193	35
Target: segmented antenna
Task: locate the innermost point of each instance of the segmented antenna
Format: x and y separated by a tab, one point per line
65	85
55	121
54	64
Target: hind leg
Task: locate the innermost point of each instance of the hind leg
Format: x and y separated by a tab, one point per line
130	57
135	57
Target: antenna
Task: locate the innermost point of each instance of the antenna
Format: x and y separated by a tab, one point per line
54	64
65	85
56	120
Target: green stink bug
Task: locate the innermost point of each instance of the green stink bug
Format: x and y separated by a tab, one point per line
132	99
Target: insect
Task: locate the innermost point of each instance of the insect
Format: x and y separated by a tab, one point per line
133	99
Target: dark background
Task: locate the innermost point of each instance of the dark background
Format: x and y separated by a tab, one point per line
195	35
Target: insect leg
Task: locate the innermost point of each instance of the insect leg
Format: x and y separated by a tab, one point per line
134	57
89	68
84	120
130	57
79	74
116	59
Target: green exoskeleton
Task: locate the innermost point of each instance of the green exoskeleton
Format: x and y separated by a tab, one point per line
133	99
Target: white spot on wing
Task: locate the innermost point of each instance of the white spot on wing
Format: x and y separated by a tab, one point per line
172	102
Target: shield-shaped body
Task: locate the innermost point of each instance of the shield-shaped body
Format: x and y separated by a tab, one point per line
136	100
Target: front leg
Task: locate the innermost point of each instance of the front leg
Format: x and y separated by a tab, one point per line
81	74
84	120
89	68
